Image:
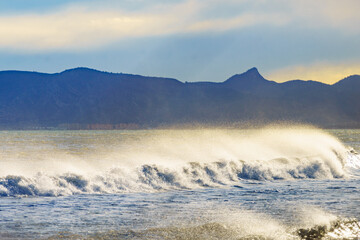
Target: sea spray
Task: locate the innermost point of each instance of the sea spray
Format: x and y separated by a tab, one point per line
270	183
161	160
221	222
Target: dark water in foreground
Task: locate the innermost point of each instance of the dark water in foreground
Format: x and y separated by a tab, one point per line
272	183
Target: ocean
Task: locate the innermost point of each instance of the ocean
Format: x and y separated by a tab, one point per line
275	182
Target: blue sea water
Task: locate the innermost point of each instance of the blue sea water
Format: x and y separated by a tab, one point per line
290	182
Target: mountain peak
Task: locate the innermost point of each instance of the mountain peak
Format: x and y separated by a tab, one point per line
253	74
350	81
80	69
253	70
249	78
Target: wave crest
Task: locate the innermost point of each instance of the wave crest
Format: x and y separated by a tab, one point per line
149	178
160	160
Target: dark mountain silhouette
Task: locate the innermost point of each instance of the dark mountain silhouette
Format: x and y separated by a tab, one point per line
87	98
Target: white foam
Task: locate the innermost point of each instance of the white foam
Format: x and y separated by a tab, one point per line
171	159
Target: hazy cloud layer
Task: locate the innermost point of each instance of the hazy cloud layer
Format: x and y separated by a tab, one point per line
77	26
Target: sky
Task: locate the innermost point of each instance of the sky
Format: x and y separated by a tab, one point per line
190	40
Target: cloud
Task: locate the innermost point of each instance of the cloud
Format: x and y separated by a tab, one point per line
242	21
329	13
82	27
76	27
325	72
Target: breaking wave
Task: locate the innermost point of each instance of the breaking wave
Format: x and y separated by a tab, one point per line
187	160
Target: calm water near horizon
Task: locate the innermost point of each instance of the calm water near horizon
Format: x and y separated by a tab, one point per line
270	183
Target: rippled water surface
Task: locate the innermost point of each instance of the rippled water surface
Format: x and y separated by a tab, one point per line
270	183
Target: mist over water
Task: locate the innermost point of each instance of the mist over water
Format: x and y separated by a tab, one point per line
293	181
104	162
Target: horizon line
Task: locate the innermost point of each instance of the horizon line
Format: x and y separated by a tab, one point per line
185	82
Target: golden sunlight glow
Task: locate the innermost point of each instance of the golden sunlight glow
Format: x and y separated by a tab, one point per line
323	72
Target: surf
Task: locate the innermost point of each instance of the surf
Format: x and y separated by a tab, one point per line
162	160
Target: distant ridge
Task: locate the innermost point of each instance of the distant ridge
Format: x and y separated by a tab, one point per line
250	75
84	98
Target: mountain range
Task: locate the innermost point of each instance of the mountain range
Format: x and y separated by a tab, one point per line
84	98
